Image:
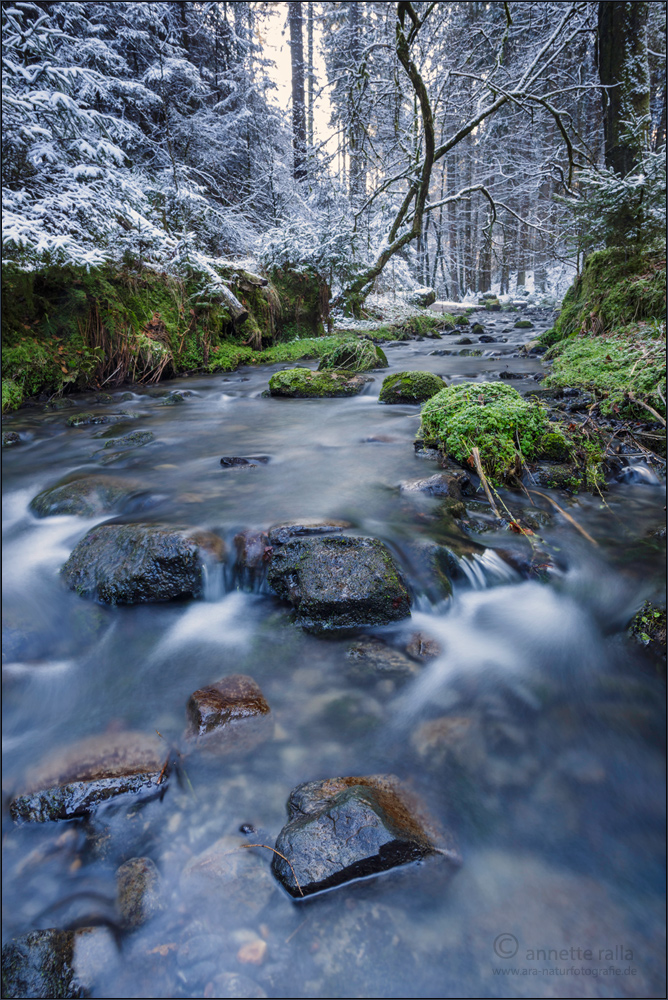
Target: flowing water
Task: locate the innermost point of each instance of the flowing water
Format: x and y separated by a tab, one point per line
535	736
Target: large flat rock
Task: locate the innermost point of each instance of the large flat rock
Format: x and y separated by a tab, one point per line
339	583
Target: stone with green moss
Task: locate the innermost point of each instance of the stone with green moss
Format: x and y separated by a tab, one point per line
358	355
523	324
84	418
491	416
339	583
554	446
410	387
302	383
10	439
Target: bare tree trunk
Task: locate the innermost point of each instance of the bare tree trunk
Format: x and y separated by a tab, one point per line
309	74
298	105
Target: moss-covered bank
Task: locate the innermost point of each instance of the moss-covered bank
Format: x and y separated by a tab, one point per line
66	328
610	337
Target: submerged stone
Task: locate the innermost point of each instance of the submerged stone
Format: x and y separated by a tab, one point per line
229	879
302	383
138	886
230	715
82	419
339	583
281	533
251	462
410	387
136	563
437	485
135	439
370	660
40	964
88	497
342	829
75	781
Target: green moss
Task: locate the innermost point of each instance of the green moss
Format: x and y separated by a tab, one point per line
302	383
410	387
490	416
554	446
354	356
12	395
612	366
523	324
71	328
617	287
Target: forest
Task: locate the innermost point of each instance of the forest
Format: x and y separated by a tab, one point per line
334	466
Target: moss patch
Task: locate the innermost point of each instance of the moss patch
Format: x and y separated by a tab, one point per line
615	367
354	356
410	387
67	328
490	416
301	383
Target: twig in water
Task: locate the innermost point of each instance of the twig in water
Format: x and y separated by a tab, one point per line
568	517
483	480
296	930
268	848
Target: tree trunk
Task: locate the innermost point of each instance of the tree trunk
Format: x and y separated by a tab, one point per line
309	74
295	22
623	69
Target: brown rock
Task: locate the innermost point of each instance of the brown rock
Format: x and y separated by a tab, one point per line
138	885
230	715
423	647
251	547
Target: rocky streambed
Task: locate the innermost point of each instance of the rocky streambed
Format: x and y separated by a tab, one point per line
290	710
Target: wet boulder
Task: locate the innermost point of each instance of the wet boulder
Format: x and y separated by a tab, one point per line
339	583
464	340
354	355
228	716
437	485
40	964
252	550
523	324
55	963
343	829
302	383
75	781
138	887
410	387
10	439
137	563
89	496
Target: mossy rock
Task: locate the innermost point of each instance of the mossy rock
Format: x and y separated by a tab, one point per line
523	324
354	356
302	383
554	446
84	419
135	439
564	476
41	964
410	387
490	416
10	439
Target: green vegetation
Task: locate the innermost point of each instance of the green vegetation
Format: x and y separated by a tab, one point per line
66	327
649	628
410	387
302	383
492	417
358	355
617	368
618	287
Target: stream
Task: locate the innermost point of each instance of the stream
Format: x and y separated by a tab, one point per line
535	736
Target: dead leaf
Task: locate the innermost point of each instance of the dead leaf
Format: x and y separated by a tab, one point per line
253	953
164	949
